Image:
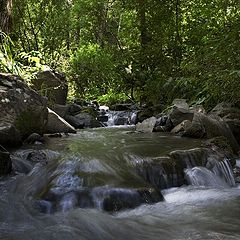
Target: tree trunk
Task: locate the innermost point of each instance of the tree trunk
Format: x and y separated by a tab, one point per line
142	27
6	16
178	39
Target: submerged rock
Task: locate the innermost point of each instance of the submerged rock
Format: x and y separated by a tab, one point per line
23	161
34	138
162	172
117	199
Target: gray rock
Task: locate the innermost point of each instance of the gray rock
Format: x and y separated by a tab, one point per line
181	128
83	120
230	115
203	126
234	125
56	124
178	115
33	138
22	110
61	110
163	124
53	85
147	125
74	109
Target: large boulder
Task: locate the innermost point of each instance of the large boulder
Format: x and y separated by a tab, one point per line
53	85
83	120
231	115
22	110
57	124
226	110
203	126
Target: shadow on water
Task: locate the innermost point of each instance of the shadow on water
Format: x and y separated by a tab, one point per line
68	198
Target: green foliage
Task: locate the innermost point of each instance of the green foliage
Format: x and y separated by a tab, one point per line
151	51
93	70
7	61
112	98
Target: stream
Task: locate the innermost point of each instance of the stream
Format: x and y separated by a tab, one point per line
90	189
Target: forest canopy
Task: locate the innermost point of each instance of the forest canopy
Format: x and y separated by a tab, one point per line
140	50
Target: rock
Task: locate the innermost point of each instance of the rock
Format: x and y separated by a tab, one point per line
226	110
181	128
203	126
162	172
169	171
163	124
61	110
55	135
193	157
20	165
53	85
198	109
74	109
83	120
234	125
116	199
5	162
22	110
222	146
147	125
36	156
75	122
56	124
180	103
9	135
102	118
33	138
230	115
23	161
178	115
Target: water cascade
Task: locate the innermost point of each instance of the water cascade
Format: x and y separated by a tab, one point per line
103	183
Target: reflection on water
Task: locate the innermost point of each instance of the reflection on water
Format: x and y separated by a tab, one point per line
99	160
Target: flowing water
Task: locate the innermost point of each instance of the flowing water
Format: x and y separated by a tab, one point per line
71	196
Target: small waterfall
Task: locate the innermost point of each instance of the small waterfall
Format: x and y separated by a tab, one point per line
201	176
116	118
224	170
220	176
